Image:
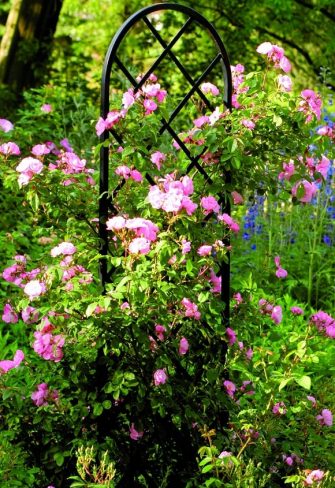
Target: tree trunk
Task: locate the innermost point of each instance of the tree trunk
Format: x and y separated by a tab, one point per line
27	41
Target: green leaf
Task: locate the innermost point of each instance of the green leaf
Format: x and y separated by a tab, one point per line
277	120
107	404
59	458
204	461
98	409
90	309
304	381
283	383
189	266
207	468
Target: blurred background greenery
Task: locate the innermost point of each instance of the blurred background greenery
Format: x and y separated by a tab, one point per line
65	46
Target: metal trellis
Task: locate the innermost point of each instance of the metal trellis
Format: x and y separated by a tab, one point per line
112	58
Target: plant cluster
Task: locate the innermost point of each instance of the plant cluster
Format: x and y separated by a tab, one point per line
150	373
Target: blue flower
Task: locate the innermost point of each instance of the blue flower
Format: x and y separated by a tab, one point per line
327	240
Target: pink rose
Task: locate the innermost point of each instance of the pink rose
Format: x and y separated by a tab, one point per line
160	377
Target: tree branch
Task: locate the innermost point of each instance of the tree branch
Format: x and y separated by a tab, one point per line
325	12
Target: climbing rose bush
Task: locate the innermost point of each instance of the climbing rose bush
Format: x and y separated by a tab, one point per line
150	362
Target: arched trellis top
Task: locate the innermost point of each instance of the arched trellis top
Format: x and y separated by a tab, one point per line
193	16
221	57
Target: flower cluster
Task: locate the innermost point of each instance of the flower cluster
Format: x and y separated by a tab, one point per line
48	346
274	311
275	55
172	195
309	190
238	80
63	249
191	309
149	95
9	316
127	173
67	161
310	104
10	149
43	395
324	323
325	417
8	364
144	230
134	434
6	125
313	477
279	408
230	222
281	272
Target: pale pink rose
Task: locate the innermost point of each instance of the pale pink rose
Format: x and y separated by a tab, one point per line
281	273
264	48
310	190
9	316
40	150
7	364
139	245
285	83
183	346
314	476
277	314
150	106
64	249
199	122
249	124
157	158
100	126
128	98
209	88
34	289
116	223
325	418
210	204
186	246
288	170
46	108
285	65
160	377
30	315
188	205
10	149
156	197
237	198
6	125
323	166
204	250
30	164
134	434
230	388
228	220
160	331
136	175
123	171
187	185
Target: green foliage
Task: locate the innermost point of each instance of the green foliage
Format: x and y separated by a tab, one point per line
103	394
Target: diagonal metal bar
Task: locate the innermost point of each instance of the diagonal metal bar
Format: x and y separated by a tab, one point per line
125	71
177	62
193	89
166	51
194	160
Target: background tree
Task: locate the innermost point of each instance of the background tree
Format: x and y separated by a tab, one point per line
26	41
